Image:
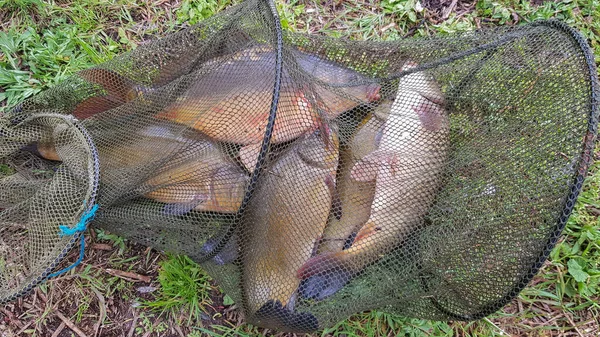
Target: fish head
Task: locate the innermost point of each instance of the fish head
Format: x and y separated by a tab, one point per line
345	95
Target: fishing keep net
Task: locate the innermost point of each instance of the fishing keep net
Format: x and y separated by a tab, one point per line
312	177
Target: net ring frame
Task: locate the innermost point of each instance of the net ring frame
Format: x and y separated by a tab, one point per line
589	142
487	309
225	235
489	49
93	183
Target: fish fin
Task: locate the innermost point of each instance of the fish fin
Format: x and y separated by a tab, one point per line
291	303
274	314
118	90
41	150
323	275
325	132
373	92
95	105
336	201
366	231
366	168
431	115
320	286
321	263
379	135
183	208
249	155
228	254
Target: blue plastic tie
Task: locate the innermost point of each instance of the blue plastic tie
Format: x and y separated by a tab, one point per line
67	231
81	225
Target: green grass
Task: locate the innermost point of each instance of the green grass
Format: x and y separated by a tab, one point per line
185	287
41	43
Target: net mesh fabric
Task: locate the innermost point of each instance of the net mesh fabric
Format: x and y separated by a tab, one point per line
313	177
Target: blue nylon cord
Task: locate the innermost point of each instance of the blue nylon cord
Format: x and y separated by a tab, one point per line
79	228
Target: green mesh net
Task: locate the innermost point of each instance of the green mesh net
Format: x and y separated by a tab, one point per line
312	177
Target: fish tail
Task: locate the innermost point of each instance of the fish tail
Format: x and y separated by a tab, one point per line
369	229
322	263
350	260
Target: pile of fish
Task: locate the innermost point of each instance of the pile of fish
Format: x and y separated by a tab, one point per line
322	211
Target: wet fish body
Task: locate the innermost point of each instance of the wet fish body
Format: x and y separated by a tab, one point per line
231	98
355	196
407	169
286	216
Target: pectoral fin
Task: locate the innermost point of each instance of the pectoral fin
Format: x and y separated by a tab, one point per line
365	169
228	254
431	115
249	155
178	209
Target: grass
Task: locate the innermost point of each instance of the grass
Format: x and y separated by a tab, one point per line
184	288
41	43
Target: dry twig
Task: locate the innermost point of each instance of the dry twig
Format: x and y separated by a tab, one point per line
133	323
129	276
102	306
69	324
59	329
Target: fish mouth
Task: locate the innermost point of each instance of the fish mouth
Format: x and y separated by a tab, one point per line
274	315
373	93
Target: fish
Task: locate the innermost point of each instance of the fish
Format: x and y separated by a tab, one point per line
194	171
284	219
355	196
231	98
117	89
210	183
186	170
406	167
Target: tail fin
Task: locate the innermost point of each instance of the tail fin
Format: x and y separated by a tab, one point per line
118	90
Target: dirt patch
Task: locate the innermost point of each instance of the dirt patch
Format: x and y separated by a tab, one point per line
440	10
540	2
